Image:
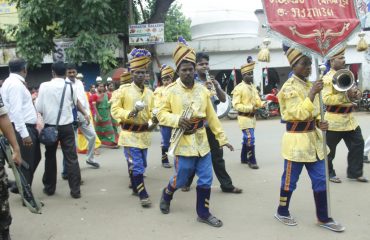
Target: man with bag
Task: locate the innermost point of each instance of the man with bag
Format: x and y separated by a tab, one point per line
55	103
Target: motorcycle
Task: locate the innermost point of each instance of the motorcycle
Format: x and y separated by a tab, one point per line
364	103
270	105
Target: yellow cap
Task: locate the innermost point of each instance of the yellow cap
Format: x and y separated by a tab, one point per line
293	56
140	59
167	71
246	68
125	77
340	53
183	52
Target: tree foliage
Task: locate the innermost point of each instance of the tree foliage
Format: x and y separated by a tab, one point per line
94	25
176	24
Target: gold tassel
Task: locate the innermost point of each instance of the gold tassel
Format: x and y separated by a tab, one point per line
362	44
264	53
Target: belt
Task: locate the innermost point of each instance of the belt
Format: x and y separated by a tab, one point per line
339	109
196	124
246	114
27	125
134	127
300	127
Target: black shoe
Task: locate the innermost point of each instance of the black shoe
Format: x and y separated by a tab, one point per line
14	189
253	166
93	164
211	220
164	206
49	193
76	195
366	159
64	176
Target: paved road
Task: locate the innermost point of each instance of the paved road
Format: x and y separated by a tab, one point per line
108	211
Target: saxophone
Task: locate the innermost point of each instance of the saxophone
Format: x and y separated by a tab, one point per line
177	133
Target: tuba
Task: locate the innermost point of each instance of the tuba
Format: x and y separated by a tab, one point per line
178	132
343	80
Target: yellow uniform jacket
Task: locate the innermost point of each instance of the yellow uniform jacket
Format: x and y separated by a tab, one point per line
177	98
123	104
331	97
295	105
246	100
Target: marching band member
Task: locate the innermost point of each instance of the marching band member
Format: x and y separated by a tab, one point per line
246	101
192	152
217	94
132	107
302	141
167	75
342	124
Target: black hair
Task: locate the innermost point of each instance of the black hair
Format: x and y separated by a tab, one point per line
59	68
200	56
71	66
17	64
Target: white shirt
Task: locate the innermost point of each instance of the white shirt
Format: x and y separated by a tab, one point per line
48	102
81	95
18	100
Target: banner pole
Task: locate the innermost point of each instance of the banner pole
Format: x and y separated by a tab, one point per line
320	72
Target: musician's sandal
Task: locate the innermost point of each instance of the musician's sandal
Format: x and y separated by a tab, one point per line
166	165
332	225
211	220
287	220
145	202
253	166
335	179
185	189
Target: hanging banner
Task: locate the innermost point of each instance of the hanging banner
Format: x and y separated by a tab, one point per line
316	26
145	34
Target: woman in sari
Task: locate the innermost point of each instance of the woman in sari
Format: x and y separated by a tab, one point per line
103	125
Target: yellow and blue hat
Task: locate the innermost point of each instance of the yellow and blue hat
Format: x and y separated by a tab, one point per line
140	58
183	52
167	71
248	67
293	55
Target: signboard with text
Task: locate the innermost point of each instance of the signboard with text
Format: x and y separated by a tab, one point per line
317	26
145	34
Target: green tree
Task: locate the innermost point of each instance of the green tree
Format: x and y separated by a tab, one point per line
94	25
176	24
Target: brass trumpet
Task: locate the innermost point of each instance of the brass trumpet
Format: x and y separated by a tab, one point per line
213	89
177	133
344	81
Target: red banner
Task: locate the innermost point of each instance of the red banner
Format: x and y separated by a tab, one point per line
317	25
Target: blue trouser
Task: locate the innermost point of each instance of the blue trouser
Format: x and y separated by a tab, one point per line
316	171
136	162
248	149
248	136
186	166
292	170
136	159
166	135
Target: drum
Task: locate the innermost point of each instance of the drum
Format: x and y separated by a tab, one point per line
223	108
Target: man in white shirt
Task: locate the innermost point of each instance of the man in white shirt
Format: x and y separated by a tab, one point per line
87	129
22	113
48	104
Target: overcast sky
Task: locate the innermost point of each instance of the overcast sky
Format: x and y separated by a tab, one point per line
193	7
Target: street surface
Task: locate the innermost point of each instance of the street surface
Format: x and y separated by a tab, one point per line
107	210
